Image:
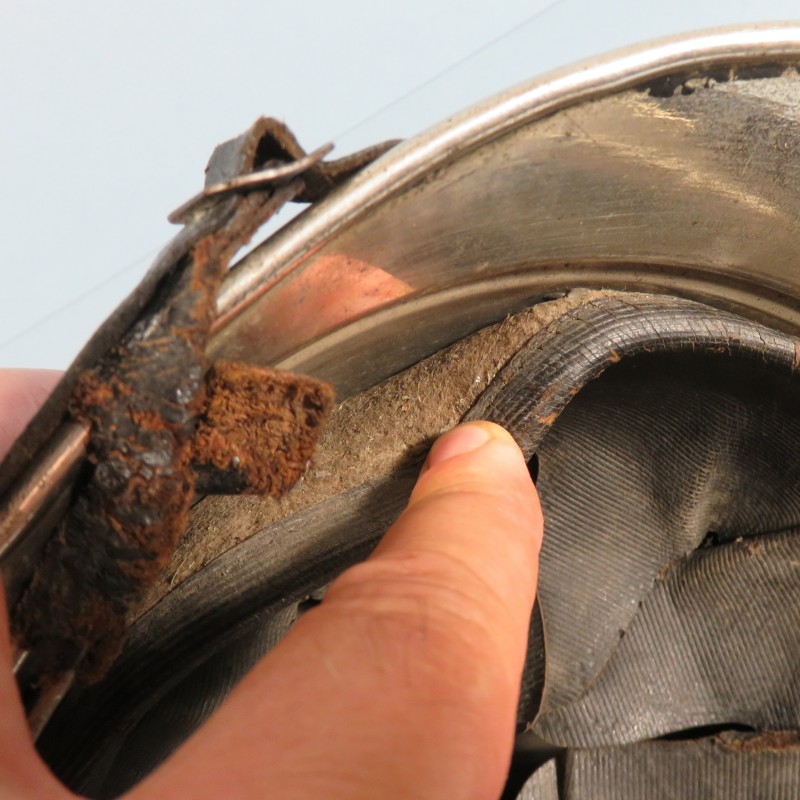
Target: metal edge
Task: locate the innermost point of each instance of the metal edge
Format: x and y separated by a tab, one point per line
409	161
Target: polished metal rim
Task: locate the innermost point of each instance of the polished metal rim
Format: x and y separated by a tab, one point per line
643	181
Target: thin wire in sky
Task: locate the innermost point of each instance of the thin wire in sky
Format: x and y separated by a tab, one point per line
77	299
403	97
455	65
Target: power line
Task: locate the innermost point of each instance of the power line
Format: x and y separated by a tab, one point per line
96	287
410	93
446	70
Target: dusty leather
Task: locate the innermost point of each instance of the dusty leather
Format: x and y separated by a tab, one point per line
140	385
654	421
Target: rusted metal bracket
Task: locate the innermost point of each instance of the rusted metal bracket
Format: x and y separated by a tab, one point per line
159	426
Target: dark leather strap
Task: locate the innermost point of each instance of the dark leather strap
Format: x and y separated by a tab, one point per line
140	387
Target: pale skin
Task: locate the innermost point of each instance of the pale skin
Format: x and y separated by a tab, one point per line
404	681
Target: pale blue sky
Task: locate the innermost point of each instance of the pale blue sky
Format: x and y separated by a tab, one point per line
110	110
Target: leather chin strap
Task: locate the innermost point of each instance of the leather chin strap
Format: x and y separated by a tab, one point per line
157	419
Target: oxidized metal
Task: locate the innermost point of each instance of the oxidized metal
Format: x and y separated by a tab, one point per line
149	419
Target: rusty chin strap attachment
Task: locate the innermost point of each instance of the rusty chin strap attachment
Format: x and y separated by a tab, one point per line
278	157
162	426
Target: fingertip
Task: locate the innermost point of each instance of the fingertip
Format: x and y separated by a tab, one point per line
478	457
417	651
465	438
476	502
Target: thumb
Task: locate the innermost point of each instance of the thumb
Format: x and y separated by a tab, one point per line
22	391
404	681
22	774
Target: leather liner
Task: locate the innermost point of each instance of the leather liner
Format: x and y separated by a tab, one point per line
665	434
140	389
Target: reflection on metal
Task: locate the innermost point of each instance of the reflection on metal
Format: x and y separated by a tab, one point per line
47	703
41	484
18	659
590	167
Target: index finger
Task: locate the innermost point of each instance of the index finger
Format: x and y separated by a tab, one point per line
22	392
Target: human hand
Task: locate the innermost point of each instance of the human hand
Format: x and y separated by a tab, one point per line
402	683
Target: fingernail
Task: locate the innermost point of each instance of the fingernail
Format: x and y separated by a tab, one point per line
462	439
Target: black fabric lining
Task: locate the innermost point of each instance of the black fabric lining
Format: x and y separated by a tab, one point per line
652	428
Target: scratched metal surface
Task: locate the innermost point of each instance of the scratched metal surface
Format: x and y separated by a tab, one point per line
687	186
